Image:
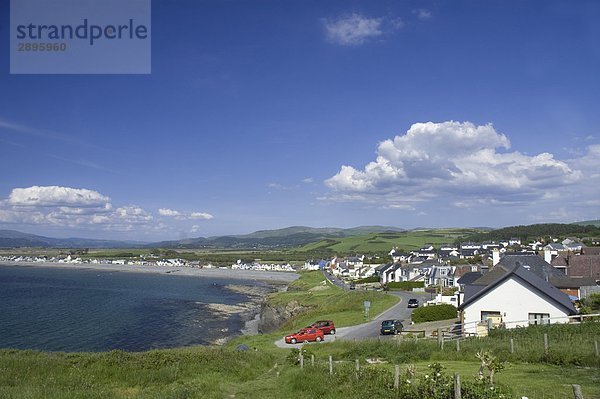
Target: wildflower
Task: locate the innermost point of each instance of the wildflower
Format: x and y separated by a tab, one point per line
408	381
426	376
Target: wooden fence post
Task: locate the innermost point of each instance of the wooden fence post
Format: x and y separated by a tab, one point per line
330	365
312	360
439	336
457	393
301	361
396	376
577	391
545	343
512	346
597	348
357	369
458	345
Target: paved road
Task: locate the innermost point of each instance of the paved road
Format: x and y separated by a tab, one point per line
371	328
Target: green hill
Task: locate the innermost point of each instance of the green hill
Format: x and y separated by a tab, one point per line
588	223
384	242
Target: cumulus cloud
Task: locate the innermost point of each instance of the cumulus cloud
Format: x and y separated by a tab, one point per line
69	207
423	14
57	196
183	215
355	29
466	162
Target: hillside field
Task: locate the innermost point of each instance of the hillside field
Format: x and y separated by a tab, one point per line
382	243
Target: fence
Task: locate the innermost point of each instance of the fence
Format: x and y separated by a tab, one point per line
453	386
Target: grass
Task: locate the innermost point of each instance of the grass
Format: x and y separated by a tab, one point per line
266	371
324	301
383	242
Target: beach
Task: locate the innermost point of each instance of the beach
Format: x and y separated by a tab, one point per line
266	276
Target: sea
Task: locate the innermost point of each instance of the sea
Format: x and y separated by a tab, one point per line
74	310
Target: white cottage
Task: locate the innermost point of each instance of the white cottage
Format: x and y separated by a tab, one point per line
513	298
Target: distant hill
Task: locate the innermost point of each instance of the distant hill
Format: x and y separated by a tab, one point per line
17	239
588	223
382	242
535	231
294	236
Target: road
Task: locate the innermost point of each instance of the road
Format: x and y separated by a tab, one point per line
369	329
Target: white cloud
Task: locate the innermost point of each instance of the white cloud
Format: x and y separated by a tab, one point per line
168	212
56	196
201	215
469	164
308	180
423	14
184	216
353	29
69	207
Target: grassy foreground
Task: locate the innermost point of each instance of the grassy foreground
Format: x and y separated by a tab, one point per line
270	372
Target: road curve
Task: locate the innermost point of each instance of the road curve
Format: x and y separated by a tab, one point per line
371	329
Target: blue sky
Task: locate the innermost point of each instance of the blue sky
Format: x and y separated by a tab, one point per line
266	114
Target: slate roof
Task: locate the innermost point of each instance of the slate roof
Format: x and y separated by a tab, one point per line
535	283
580	265
590	250
469	277
533	263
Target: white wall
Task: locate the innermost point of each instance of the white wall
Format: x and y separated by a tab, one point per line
514	301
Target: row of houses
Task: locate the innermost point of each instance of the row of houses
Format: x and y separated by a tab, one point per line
524	289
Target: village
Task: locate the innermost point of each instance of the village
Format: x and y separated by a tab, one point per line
493	284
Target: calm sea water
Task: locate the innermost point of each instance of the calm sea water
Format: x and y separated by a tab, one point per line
88	310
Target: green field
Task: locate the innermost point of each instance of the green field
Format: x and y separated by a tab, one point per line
382	243
266	371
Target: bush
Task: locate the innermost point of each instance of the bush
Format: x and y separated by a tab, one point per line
372	279
406	285
434	313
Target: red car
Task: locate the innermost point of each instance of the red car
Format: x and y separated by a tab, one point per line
305	335
326	326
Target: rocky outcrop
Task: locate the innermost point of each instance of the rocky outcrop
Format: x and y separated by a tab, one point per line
273	316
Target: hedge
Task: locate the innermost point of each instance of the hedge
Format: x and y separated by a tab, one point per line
406	285
434	313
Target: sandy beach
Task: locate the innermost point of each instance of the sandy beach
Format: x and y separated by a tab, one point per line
266	276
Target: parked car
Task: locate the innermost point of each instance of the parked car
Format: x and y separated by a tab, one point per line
391	327
305	335
326	326
413	303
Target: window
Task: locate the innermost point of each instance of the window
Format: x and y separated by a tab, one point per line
539	318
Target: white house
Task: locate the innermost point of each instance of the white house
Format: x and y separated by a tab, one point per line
515	297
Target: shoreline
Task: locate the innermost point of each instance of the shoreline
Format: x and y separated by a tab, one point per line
249	312
277	278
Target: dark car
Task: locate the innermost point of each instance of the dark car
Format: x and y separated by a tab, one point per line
391	327
413	303
326	326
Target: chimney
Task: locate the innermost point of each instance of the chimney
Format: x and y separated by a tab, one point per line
495	257
548	256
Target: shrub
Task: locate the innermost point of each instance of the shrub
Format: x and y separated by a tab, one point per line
372	279
405	285
434	313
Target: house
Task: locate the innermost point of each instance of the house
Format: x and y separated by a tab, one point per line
579	265
427	252
398	256
514	241
441	275
512	297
